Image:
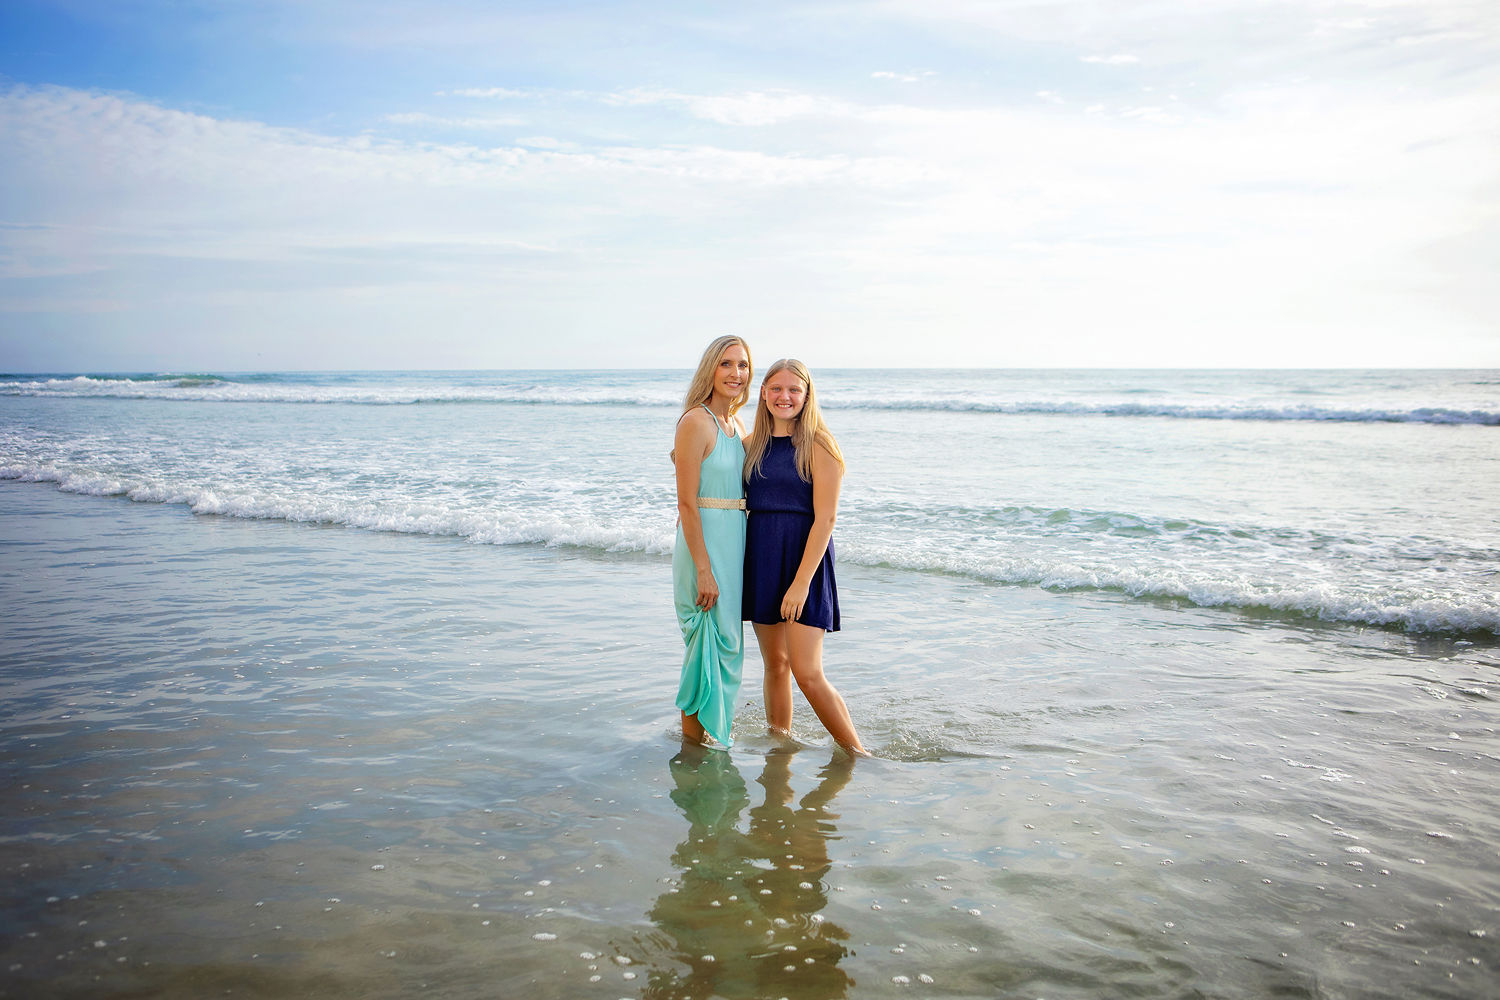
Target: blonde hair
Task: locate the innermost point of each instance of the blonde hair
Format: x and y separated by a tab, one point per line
701	389
808	429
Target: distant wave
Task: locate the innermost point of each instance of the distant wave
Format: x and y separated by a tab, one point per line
215	389
1412	608
278	389
1418	415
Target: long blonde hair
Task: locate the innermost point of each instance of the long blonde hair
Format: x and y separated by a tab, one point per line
808	429
701	389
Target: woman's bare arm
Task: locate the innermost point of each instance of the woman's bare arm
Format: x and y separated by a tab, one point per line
697	434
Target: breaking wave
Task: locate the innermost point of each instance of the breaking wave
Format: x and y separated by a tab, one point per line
557	390
1050	560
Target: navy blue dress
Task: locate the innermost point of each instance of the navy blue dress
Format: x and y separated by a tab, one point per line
781	517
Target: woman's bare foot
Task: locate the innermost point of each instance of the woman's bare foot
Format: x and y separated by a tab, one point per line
693	731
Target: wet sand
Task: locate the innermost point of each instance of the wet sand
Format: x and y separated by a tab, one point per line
284	760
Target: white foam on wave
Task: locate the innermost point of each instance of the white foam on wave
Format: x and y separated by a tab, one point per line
210	389
1415	415
586	391
568	520
1418	610
484	527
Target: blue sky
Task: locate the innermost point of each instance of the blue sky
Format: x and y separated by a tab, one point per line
287	184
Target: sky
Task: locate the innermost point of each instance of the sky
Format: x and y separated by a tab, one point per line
263	185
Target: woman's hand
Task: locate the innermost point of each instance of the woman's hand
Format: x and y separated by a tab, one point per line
794	601
708	588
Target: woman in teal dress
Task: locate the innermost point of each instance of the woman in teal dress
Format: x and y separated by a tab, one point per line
709	554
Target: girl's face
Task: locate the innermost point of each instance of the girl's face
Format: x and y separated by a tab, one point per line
784	394
733	371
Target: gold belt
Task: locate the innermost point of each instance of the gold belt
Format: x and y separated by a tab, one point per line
719	503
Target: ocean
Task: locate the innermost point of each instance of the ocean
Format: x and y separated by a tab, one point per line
1178	683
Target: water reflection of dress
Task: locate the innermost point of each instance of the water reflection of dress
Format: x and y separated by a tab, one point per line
765	936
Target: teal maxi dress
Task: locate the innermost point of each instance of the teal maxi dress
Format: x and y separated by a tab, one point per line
715	638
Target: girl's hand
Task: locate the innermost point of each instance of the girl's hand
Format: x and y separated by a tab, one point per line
708	589
794	601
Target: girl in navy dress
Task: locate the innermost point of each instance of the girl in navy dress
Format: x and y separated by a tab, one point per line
793	470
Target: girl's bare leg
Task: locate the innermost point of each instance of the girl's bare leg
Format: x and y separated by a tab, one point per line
778	680
804	649
692	729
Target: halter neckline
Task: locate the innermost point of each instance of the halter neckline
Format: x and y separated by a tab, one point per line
720	426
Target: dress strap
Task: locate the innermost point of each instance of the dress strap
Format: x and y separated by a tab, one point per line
716	421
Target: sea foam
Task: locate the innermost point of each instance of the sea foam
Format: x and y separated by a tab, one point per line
214	389
491	528
1254	582
554	391
1412	609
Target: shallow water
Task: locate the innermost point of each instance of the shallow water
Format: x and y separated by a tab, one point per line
284	759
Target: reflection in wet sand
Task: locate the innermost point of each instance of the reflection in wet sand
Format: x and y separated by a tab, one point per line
745	913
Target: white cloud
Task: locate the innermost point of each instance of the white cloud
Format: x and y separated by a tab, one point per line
1287	221
1438	45
441	121
493	92
1340	25
750	108
1159	116
95	177
545	142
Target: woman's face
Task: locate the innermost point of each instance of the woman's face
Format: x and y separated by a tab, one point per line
733	371
785	394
